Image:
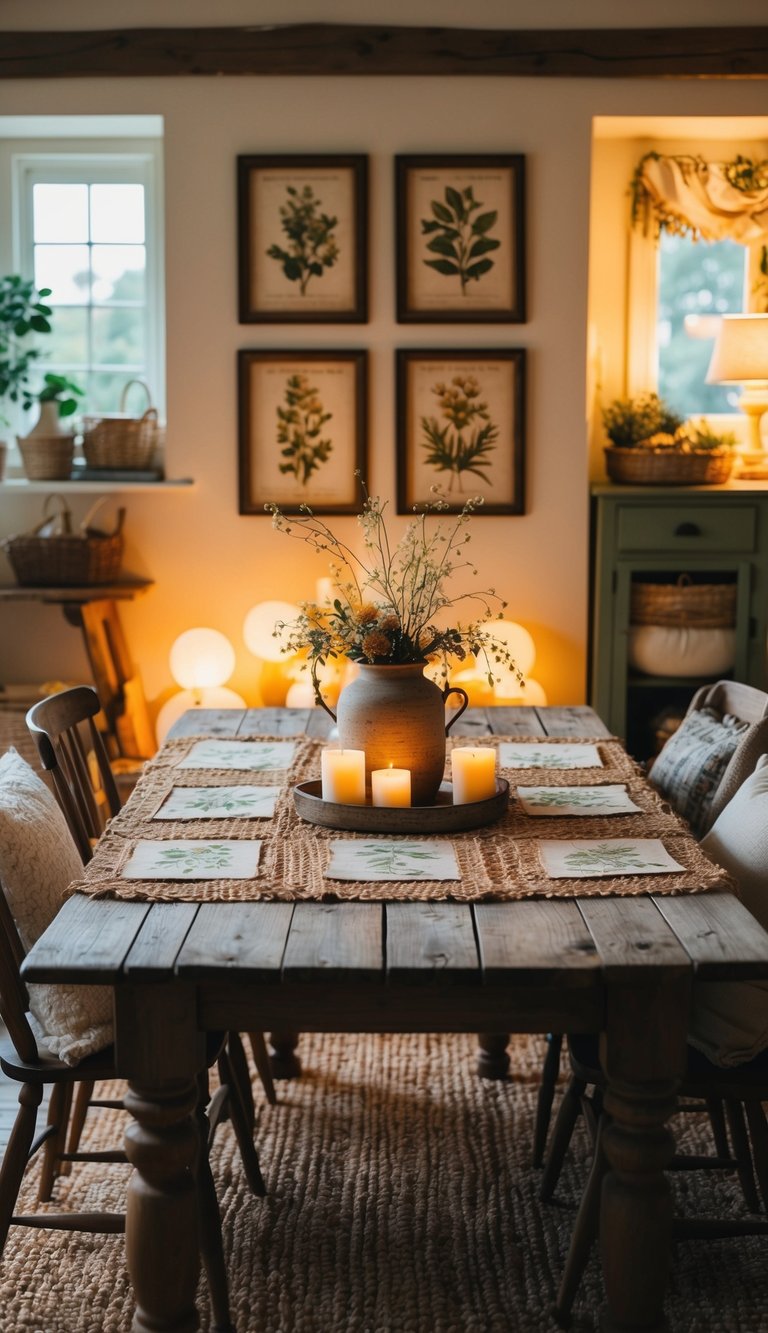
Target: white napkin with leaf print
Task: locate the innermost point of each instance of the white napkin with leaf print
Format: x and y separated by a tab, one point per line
218	803
380	859
193	858
244	755
587	858
612	799
543	754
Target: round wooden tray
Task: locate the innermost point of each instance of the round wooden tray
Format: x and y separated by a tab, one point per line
442	817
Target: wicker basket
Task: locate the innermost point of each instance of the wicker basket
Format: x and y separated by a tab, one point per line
122	441
693	605
53	556
668	467
47	457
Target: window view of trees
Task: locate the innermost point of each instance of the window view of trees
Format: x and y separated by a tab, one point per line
698	282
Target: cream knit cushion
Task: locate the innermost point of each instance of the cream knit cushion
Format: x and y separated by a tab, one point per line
38	860
730	1018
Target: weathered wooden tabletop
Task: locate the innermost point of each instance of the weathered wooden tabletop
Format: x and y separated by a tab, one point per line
621	967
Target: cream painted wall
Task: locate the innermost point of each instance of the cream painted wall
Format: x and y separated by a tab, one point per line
209	564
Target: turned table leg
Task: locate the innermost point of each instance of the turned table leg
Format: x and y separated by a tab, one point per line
161	1225
493	1056
282	1054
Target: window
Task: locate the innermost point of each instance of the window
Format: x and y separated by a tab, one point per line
88	229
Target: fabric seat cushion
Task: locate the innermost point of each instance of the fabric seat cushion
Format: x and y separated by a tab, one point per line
38	861
690	767
729	1022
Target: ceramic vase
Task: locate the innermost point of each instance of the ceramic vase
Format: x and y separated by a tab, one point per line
397	716
47	451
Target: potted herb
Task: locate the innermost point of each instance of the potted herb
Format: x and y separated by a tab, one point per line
47	451
650	444
23	314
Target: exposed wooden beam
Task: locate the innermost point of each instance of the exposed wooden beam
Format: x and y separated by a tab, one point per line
326	48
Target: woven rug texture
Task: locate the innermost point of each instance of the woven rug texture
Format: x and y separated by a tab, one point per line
401	1200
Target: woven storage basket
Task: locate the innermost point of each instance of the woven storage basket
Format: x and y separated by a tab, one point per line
63	559
668	467
122	441
694	605
47	457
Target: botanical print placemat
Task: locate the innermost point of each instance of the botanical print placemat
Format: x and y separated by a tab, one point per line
549	802
188	803
385	859
193	858
243	756
549	754
583	858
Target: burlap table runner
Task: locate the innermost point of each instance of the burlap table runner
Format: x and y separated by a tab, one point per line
495	863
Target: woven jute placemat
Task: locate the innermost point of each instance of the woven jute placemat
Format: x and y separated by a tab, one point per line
499	862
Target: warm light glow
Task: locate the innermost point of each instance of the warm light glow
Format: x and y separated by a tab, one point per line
259	629
178	704
475	683
740	356
520	644
473	773
201	658
532	693
391	786
300	695
343	776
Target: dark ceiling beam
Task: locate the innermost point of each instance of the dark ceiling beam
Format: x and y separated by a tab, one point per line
326	48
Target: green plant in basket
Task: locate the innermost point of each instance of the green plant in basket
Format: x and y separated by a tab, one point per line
704	437
59	389
23	314
392	601
633	422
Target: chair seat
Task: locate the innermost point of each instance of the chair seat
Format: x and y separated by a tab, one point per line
49	1069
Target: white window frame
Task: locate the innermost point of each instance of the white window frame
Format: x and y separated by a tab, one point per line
24	163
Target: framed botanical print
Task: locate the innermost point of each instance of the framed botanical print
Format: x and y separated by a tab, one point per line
302	422
302	239
460	239
461	426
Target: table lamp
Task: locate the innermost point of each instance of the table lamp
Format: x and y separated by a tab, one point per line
740	356
201	660
268	643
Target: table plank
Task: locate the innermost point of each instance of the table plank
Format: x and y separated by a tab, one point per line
335	942
575	720
87	941
536	943
273	722
515	721
425	940
159	940
206	722
633	940
242	940
719	933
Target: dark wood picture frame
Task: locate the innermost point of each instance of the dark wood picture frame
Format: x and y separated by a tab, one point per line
460	228
302	429
284	277
463	407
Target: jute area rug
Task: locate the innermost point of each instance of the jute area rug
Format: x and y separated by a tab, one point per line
401	1198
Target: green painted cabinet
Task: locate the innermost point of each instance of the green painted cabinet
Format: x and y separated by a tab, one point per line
655	534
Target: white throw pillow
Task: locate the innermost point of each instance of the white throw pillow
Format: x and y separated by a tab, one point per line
729	1022
667	650
38	860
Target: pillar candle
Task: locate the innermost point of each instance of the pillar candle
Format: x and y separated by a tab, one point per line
473	770
343	776
391	786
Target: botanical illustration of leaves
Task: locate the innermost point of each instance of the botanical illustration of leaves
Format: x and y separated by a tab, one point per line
484	223
460	237
442	266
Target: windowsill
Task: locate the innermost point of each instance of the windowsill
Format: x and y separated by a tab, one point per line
22	485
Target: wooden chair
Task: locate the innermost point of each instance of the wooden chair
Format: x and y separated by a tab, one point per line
26	1064
740	1090
73	753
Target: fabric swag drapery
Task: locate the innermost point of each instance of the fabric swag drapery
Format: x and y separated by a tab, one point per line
710	201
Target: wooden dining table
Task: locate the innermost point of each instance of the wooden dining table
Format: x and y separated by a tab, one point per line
620	967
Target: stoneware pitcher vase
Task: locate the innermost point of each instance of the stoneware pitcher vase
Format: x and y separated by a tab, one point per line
397	716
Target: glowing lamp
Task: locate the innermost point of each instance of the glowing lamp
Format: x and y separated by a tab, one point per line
201	659
740	356
531	693
260	633
521	648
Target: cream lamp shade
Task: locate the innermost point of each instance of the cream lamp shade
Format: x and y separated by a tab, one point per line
740	356
259	629
522	650
201	658
178	704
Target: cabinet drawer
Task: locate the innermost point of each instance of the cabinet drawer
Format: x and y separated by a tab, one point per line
687	529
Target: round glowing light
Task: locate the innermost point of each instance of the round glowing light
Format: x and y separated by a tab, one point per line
532	694
259	632
300	695
178	704
201	658
523	652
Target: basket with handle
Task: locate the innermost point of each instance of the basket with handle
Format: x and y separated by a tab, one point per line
52	555
683	604
120	440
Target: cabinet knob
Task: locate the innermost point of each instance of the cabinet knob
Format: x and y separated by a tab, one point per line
687	530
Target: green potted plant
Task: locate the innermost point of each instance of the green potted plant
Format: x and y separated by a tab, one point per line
23	314
650	444
47	451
